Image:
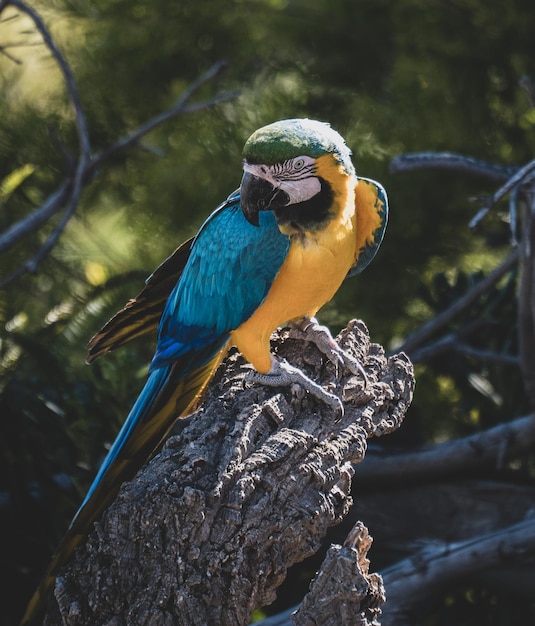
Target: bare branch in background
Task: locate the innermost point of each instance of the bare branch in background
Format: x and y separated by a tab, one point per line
452	555
65	198
441	321
36	219
523	175
450	162
180	106
491	447
454	343
411	581
80	121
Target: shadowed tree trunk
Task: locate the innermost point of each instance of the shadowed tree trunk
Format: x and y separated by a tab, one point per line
206	532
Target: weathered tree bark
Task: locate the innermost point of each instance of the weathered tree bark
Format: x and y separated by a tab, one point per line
343	591
494	549
205	533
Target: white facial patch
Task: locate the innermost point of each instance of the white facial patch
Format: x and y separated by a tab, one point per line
295	176
301	190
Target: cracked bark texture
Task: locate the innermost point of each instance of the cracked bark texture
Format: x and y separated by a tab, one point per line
249	486
343	591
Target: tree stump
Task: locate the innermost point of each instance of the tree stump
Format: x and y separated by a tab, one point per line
206	531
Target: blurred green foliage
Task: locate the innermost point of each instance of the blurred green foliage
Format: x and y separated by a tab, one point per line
391	77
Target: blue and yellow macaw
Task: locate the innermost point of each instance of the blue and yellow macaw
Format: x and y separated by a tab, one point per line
274	252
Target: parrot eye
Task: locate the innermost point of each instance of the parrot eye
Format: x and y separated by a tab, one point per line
299	164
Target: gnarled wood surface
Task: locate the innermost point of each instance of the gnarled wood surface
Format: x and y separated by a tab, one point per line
205	533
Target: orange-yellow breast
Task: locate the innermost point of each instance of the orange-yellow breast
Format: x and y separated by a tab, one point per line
314	269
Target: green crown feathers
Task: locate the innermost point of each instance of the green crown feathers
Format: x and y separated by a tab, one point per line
287	139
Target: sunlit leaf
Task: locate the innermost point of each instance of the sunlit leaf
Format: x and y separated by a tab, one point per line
14	180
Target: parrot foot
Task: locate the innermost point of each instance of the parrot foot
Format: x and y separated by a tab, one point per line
282	374
310	329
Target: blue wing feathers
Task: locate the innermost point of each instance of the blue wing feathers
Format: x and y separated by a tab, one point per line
223	282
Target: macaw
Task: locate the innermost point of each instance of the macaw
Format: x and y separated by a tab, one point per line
274	252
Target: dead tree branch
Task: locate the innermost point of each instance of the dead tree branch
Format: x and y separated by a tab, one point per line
450	162
454	343
454	509
206	532
415	578
343	591
491	447
517	180
66	197
442	320
450	513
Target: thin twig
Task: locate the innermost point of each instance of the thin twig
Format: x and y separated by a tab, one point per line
22	44
81	129
519	177
486	355
452	343
69	191
178	108
420	336
80	121
451	162
526	294
10	56
3	5
67	195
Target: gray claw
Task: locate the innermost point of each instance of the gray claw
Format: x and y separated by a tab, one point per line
309	329
283	374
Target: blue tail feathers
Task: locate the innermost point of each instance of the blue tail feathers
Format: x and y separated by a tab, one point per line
156	381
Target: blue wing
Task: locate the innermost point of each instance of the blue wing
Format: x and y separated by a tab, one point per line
223	283
222	279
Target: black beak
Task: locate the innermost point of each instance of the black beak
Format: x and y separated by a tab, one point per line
257	194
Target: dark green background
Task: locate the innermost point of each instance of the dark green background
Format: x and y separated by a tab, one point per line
391	77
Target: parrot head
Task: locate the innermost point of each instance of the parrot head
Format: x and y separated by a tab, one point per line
282	173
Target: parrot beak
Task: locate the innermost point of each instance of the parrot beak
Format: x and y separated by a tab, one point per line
258	194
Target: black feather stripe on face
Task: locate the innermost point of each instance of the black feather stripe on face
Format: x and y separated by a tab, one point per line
309	215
